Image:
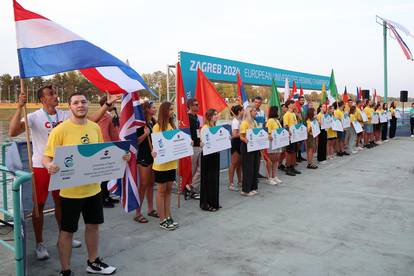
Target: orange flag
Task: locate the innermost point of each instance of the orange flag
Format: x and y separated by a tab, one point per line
207	95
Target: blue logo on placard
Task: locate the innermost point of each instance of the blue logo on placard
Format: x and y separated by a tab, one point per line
207	137
68	161
160	144
106	152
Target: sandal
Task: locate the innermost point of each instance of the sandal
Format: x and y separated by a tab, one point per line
153	214
140	219
211	209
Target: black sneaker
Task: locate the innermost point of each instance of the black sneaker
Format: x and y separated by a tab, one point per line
295	171
99	267
171	221
345	153
289	171
340	154
166	225
66	273
107	203
260	176
282	167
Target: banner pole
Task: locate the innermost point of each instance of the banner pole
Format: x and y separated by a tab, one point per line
29	151
385	62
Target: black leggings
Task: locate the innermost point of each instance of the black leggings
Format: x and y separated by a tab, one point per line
250	168
412	125
322	139
384	131
393	127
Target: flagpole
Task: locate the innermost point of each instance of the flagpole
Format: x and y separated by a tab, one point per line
29	150
385	62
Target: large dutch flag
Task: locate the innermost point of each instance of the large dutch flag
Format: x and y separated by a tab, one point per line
46	48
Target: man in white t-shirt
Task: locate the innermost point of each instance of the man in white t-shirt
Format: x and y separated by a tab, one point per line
41	123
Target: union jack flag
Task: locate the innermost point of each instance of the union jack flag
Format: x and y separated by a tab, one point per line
132	118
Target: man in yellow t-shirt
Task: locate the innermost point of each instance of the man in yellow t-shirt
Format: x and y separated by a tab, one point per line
368	126
289	119
85	199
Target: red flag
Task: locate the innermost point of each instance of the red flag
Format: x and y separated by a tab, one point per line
207	95
293	91
345	96
184	164
300	91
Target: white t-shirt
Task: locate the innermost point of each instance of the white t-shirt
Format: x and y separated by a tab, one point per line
235	124
41	124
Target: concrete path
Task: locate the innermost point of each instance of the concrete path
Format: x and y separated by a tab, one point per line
353	216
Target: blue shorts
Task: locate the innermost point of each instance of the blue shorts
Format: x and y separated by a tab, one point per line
340	135
368	128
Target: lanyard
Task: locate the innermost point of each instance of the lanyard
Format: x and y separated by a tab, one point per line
54	124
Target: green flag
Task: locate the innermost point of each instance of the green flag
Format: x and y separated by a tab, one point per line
332	86
274	97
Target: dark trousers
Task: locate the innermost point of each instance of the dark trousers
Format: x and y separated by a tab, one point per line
384	131
393	127
250	168
322	140
210	181
104	188
412	125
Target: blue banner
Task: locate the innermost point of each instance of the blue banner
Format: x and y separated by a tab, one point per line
225	70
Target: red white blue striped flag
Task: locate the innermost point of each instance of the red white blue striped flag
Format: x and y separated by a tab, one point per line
400	41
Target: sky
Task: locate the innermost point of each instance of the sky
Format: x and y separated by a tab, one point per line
305	36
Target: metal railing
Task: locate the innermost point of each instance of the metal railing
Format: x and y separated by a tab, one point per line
20	177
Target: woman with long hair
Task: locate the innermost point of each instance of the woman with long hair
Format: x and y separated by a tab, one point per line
393	121
322	137
377	126
273	124
164	173
210	170
310	142
384	128
145	161
250	160
235	163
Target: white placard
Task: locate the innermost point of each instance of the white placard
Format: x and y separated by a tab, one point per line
280	138
326	121
346	121
315	128
298	132
383	117
171	145
257	139
215	139
364	116
89	163
375	118
337	125
389	115
397	114
357	127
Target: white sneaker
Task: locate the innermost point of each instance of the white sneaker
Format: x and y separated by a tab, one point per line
76	243
412	135
99	267
386	141
271	182
254	192
233	188
41	252
246	194
360	148
277	180
323	162
354	151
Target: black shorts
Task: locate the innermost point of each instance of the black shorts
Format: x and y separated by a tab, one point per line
291	148
164	176
377	127
235	145
90	207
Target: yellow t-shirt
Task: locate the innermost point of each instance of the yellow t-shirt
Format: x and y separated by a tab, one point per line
358	115
338	114
392	111
368	110
272	124
289	119
69	134
352	118
167	166
244	126
319	117
331	133
309	126
347	108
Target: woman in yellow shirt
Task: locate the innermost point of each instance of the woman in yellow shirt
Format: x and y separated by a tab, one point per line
331	136
250	160
310	142
273	124
393	121
210	170
289	119
164	173
322	137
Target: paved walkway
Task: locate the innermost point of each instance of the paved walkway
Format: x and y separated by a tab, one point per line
353	216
